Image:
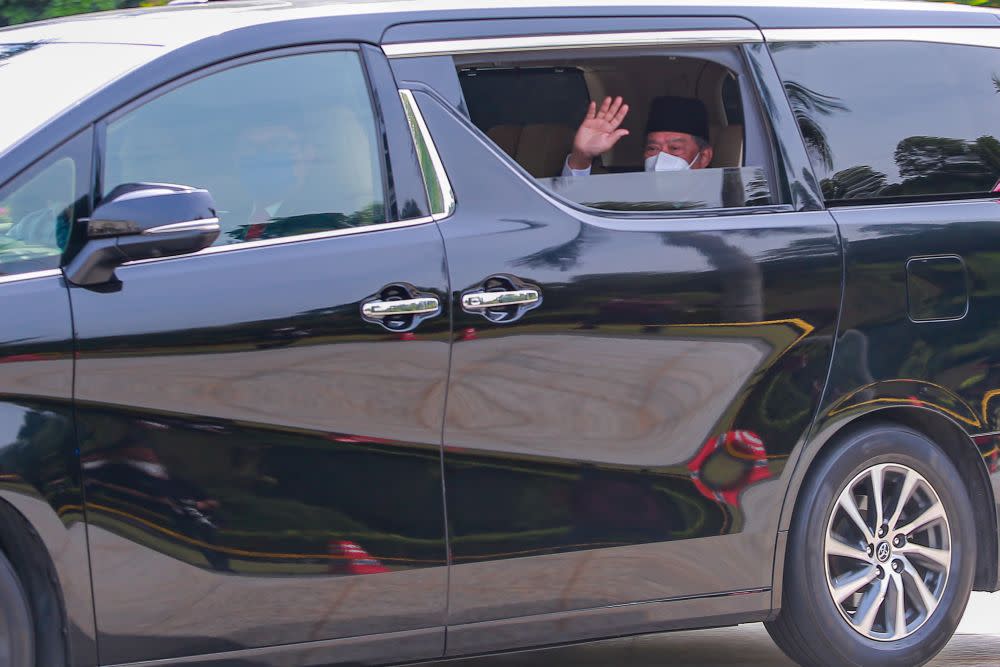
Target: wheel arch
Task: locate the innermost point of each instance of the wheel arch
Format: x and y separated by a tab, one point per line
940	428
23	547
38	548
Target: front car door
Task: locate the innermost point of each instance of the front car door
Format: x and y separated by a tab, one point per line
260	441
617	429
39	467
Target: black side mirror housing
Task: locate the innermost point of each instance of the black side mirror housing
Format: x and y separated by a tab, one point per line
143	221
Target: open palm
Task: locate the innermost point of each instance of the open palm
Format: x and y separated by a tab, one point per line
599	132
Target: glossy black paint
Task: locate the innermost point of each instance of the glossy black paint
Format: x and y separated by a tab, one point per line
885	359
589	443
286	449
794	170
611	621
39	461
40	480
281	475
913	331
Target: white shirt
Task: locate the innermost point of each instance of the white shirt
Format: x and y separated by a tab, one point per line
570	171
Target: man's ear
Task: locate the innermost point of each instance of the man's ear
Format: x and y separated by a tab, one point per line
705	158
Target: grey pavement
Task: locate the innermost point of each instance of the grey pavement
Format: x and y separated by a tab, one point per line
977	644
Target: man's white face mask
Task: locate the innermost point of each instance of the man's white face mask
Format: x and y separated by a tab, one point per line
667	162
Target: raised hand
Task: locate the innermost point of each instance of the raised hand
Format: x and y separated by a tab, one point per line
599	131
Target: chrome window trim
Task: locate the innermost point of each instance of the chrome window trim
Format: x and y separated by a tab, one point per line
987	37
972	36
592	40
18	277
285	240
987	197
421	135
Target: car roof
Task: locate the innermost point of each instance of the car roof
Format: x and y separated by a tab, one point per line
175	26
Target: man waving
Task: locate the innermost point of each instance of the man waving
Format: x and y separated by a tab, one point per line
676	135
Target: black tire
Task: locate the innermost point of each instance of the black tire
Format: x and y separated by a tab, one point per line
811	628
17	635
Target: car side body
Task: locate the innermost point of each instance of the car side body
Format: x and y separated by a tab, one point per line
220	459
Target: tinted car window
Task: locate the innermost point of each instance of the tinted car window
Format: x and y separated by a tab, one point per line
896	119
286	146
38	208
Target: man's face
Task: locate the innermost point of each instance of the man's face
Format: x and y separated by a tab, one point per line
679	144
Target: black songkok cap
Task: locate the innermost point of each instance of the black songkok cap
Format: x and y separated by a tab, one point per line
678	114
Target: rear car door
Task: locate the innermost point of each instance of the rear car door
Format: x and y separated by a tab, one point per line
619	419
259	435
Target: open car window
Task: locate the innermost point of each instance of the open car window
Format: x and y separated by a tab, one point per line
531	106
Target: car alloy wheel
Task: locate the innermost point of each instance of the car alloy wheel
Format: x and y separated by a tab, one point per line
881	553
888	552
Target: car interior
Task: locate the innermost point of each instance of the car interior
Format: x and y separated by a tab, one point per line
531	110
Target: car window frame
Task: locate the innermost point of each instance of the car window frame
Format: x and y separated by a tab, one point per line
756	128
758	132
385	136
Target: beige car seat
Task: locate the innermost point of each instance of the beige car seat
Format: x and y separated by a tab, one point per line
727	145
540	148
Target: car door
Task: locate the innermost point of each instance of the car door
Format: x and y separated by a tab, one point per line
260	422
635	357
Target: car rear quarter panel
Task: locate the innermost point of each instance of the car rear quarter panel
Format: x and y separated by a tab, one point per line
949	368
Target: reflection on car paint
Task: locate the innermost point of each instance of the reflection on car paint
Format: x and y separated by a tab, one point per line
601	504
989	447
712	469
131	487
907	391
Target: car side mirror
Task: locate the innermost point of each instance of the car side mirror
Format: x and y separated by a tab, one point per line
143	221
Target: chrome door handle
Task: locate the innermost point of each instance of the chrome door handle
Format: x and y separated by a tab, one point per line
484	300
380	309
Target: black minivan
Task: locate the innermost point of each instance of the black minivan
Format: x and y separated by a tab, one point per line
386	331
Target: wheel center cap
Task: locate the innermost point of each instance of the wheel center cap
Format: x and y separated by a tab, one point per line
883	551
